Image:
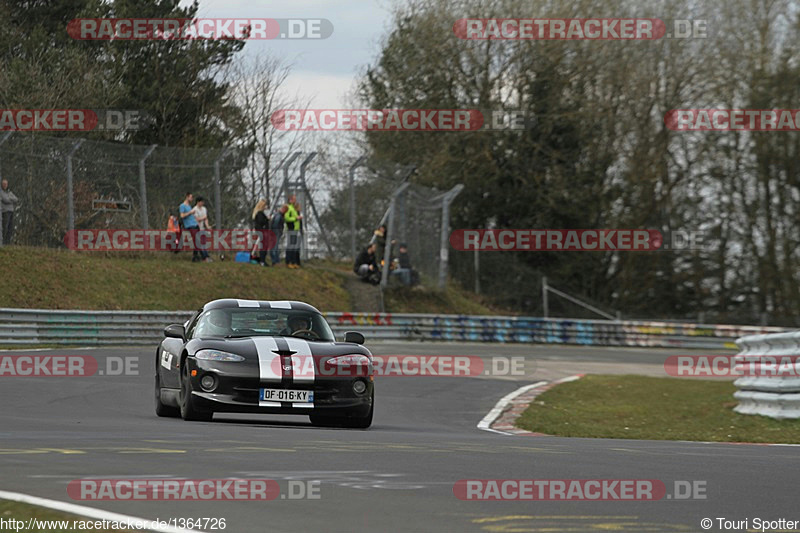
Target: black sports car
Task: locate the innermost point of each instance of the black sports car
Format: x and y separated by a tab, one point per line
277	357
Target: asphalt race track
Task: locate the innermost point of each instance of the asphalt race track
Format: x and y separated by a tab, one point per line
396	476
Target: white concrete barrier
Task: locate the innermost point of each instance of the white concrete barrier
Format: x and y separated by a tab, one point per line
768	385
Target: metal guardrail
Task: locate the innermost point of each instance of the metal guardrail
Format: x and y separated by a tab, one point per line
542	330
86	328
762	394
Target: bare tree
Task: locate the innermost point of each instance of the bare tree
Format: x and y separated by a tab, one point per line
258	87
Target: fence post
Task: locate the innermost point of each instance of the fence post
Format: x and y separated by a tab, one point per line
387	251
285	192
545	307
3	140
70	198
352	173
444	254
309	200
143	186
218	187
276	198
477	265
305	195
444	250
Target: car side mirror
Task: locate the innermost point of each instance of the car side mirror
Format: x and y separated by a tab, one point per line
353	336
176	331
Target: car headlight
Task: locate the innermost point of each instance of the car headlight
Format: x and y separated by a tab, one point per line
355	360
355	365
218	355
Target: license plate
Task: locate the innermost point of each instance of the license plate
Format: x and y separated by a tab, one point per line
284	395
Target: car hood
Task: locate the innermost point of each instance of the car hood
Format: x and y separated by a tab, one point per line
250	347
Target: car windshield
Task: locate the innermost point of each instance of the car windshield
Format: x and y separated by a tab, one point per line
234	322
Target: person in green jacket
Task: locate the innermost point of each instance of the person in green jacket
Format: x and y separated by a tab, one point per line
294	221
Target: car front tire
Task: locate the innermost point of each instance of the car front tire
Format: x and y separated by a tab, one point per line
189	411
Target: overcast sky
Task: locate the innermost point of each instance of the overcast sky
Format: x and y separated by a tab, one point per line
323	69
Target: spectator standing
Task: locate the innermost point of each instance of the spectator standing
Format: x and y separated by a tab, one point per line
201	216
187	213
174	227
8	204
293	220
261	224
276	225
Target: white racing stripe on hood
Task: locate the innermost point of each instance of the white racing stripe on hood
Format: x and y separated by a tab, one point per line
248	303
302	361
268	368
280	304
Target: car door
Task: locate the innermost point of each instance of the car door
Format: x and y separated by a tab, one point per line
169	357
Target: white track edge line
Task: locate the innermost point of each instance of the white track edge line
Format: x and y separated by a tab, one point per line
88	512
500	406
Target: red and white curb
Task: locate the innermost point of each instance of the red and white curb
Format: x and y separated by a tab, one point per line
89	512
503	416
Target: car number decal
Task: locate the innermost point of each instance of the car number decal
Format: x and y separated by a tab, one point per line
166	359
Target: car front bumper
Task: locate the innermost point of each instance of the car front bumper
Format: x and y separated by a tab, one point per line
238	391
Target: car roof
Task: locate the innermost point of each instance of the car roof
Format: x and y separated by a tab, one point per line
228	303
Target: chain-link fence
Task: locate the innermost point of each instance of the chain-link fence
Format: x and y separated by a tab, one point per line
64	183
369	194
418	226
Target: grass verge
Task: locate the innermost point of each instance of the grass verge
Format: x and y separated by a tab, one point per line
25	512
62	279
452	301
637	407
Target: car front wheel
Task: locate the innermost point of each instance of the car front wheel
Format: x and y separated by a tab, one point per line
189	411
